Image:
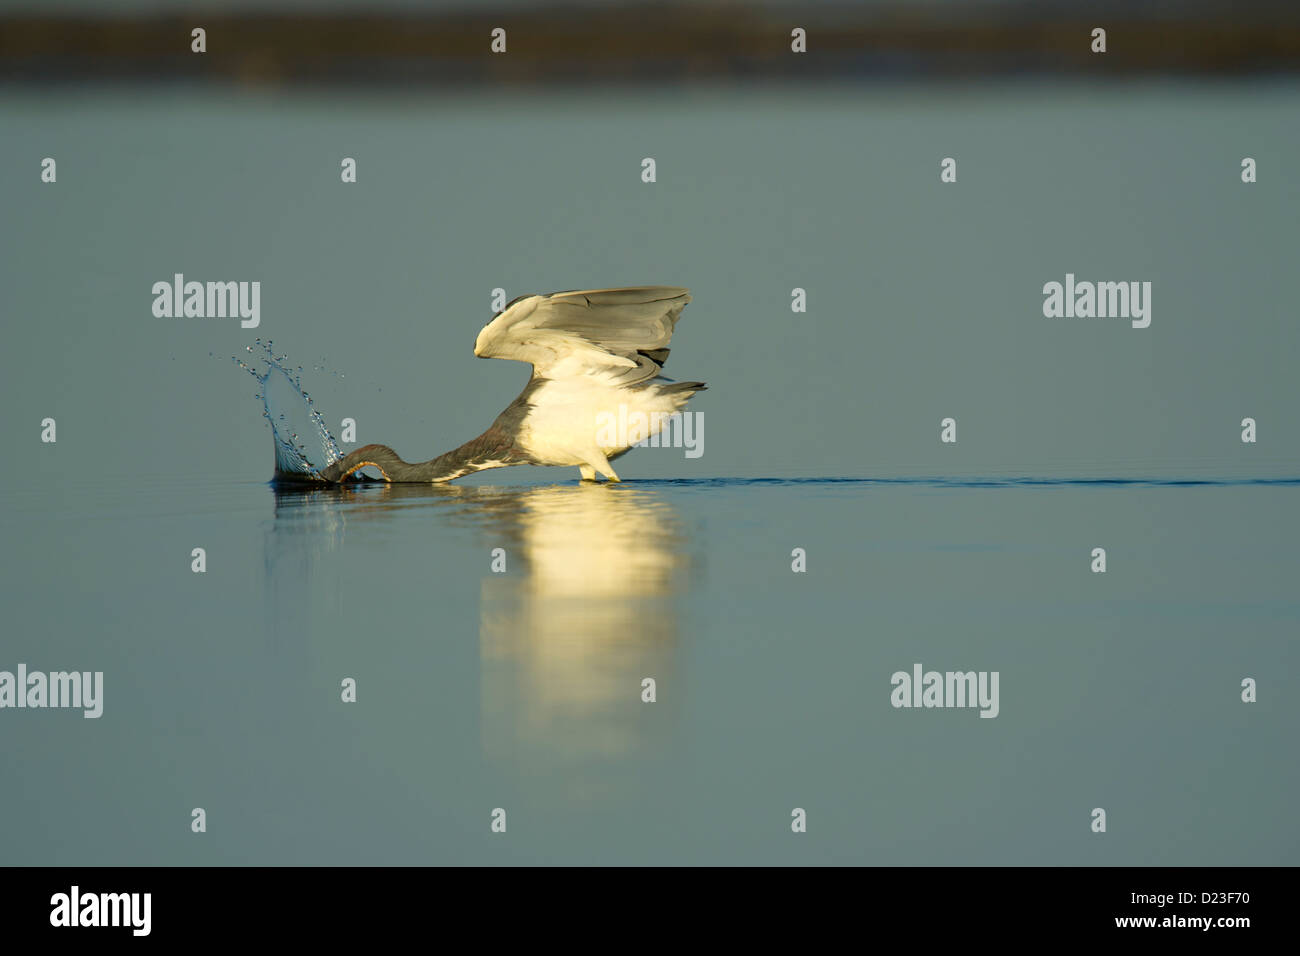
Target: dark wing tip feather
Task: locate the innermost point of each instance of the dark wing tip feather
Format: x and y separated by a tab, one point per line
658	356
686	387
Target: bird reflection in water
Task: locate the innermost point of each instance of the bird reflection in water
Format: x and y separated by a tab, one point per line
586	609
568	638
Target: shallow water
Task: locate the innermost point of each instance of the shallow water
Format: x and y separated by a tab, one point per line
522	689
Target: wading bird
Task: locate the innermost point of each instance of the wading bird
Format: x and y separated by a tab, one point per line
596	355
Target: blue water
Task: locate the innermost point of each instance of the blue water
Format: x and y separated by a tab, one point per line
1008	482
521	689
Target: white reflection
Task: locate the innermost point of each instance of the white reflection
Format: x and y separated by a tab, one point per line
585	611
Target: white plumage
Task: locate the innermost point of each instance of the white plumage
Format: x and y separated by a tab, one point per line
596	388
597	356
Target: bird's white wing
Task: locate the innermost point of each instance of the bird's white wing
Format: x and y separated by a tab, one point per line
622	334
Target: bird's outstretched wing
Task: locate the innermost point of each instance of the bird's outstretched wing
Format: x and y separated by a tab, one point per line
621	334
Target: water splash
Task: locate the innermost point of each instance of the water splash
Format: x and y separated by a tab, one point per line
297	427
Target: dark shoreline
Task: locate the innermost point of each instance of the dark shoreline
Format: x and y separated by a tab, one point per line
650	44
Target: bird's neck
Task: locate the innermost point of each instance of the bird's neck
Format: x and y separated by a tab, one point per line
394	468
469	457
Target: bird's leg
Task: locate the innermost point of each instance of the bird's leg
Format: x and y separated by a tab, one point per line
601	464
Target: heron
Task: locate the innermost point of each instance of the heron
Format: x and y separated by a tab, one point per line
597	356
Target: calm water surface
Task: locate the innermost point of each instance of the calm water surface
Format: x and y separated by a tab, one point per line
522	689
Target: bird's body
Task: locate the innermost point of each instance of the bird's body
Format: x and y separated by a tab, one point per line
596	388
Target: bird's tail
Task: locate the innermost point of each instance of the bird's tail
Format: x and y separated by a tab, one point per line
690	388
